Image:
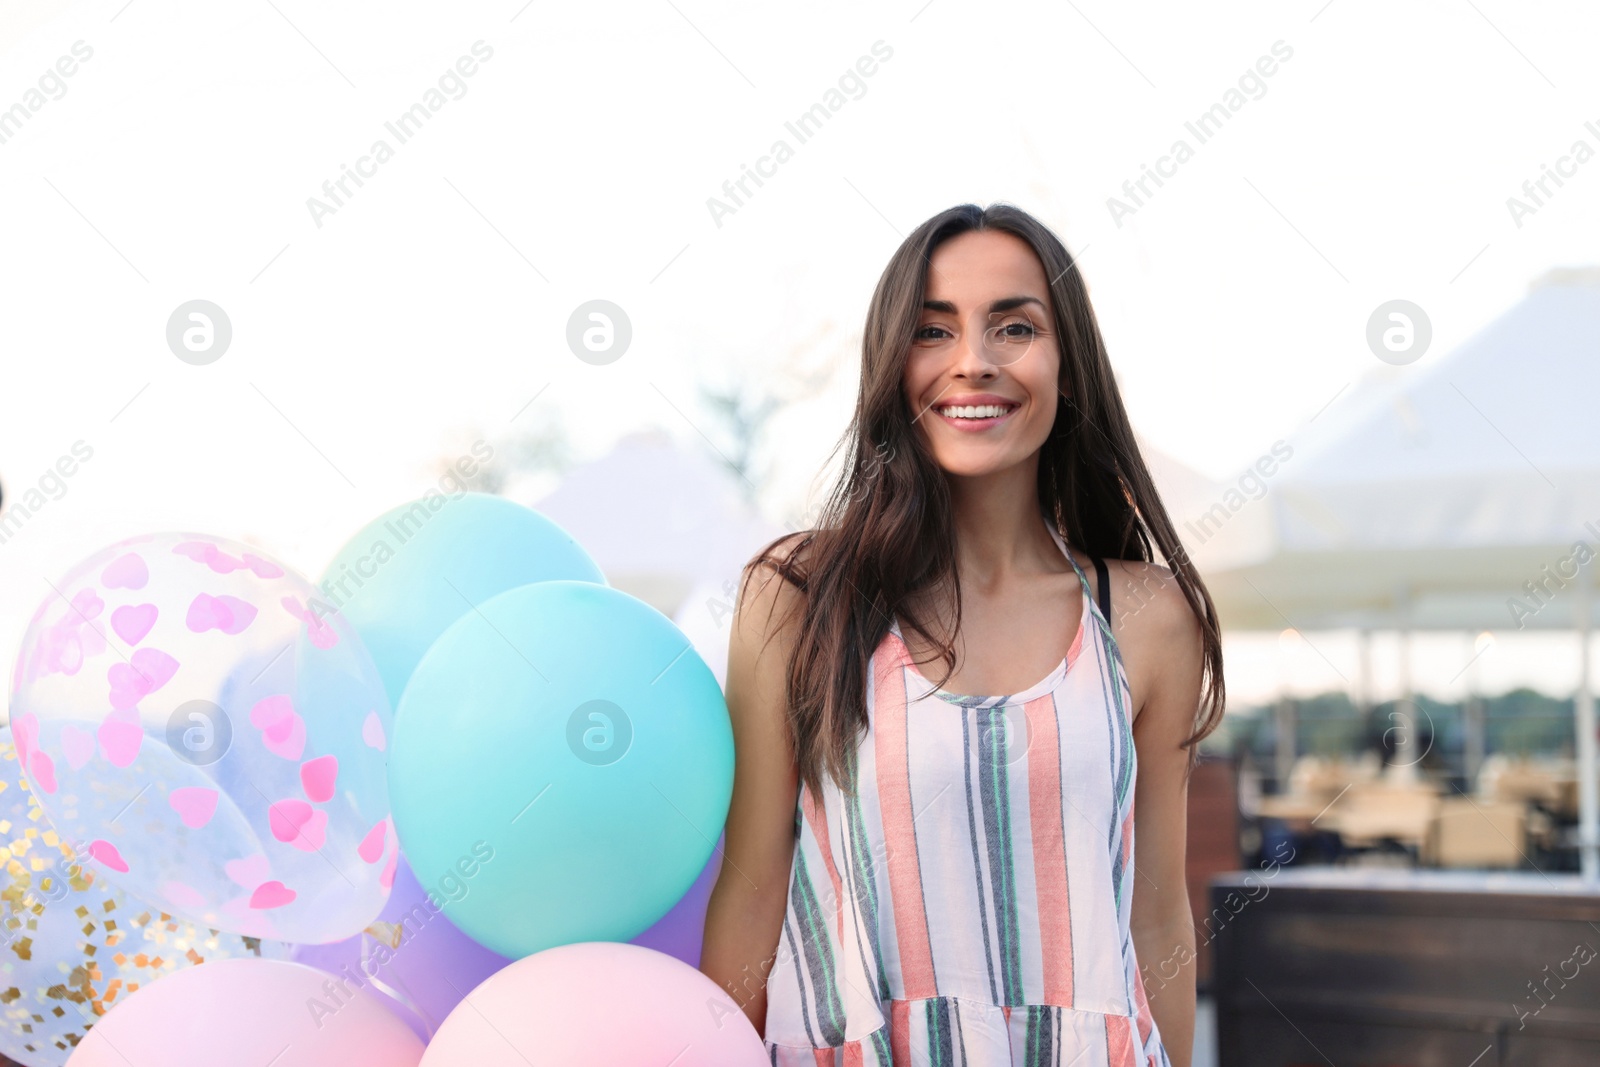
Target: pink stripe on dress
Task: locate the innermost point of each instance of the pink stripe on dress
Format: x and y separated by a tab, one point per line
1119	1042
900	835
817	820
1049	847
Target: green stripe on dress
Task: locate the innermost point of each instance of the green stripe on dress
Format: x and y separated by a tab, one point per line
997	812
819	956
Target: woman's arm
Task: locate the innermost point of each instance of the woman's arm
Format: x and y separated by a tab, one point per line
1162	923
744	919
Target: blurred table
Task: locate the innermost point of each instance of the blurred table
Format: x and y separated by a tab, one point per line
1291	808
1363	814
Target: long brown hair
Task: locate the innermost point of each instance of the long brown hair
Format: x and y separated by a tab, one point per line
886	530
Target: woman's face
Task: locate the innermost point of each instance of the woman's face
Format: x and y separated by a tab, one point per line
985	341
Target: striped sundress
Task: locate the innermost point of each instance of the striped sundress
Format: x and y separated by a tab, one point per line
971	904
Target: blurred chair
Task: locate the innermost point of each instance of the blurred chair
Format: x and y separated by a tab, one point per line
1541	829
1518	779
1566	802
1477	833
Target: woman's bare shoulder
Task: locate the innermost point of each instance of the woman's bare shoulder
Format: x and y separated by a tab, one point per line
1150	616
770	599
1145	591
777	573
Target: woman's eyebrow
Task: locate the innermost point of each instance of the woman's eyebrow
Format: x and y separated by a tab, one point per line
1004	304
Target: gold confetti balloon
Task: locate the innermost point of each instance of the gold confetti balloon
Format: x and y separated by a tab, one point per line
71	946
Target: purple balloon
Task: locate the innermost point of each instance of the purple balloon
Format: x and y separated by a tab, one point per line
426	965
681	931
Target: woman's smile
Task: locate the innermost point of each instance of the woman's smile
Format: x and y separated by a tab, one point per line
976	414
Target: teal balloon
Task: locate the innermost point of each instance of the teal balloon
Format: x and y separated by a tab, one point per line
570	733
417	568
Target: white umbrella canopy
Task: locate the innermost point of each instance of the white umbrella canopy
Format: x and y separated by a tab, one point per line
1464	495
1440	492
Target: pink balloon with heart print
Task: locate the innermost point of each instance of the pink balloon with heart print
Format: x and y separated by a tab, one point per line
212	735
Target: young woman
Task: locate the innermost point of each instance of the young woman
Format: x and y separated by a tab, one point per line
920	872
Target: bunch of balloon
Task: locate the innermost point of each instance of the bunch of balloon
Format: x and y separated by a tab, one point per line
559	763
72	946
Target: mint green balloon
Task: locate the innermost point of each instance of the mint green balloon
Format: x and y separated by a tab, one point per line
570	733
418	567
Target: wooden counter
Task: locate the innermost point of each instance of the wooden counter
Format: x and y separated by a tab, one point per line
1365	967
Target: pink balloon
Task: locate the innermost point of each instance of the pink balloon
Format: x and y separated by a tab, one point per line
598	1004
242	1013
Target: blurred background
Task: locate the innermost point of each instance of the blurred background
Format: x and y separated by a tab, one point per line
273	268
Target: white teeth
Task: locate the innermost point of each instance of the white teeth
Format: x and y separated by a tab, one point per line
985	411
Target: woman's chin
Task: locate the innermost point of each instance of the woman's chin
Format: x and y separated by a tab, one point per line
976	462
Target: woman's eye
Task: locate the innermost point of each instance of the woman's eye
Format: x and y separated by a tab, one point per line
931	333
1018	329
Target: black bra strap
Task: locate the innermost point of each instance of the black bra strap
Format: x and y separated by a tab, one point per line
1105	587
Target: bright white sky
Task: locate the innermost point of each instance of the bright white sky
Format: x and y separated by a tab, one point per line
432	307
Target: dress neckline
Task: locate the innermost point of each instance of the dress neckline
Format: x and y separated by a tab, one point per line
1038	689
